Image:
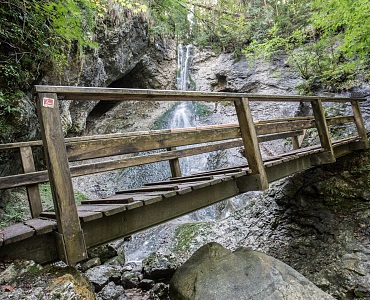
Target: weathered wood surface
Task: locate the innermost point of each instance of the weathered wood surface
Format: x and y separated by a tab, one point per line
72	244
249	136
174	165
17	232
180	180
99	93
360	124
41	226
33	192
147	142
186	195
167	187
84	140
323	129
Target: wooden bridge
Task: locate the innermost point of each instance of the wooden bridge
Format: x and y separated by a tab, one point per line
67	232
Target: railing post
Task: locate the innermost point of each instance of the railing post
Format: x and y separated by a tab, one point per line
175	165
33	191
323	131
249	136
70	240
359	121
297	140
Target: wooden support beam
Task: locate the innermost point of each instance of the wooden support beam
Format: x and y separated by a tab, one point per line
250	141
298	140
33	191
174	165
128	222
360	125
323	131
295	142
70	240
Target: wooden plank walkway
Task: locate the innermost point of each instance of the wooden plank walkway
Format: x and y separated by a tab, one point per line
148	203
66	233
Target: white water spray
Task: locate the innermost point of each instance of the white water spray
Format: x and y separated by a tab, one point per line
183	63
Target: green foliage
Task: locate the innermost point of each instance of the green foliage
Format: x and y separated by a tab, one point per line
348	18
327	43
201	109
10	113
15	210
168	18
39	37
47	198
36	36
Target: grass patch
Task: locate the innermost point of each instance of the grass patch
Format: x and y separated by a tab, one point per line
201	109
47	198
16	208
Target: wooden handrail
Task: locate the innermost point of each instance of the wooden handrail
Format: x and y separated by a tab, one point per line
101	93
283	123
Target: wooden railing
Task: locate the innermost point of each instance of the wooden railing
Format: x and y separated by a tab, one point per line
60	152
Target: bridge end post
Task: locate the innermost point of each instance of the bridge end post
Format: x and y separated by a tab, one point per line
250	141
360	124
70	240
323	131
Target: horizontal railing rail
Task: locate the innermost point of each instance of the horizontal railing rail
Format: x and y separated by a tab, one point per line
122	94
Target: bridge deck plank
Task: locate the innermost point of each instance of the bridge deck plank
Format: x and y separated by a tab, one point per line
106	209
111	200
184	190
153	194
41	226
17	232
134	205
179	180
84	216
150	189
88	216
147	196
209	173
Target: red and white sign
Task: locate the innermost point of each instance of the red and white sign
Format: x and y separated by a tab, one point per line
48	102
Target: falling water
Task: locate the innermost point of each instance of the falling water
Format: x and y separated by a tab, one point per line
183	63
182	116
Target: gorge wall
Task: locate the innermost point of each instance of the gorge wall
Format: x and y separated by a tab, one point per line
317	222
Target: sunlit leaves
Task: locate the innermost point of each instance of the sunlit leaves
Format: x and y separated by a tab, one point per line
327	42
351	18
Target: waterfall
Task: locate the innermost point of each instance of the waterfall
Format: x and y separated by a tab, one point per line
182	116
183	64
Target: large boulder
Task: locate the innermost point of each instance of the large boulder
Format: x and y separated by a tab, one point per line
214	272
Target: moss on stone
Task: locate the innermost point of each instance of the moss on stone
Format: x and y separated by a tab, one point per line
186	233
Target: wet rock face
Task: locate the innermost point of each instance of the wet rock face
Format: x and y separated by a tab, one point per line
160	266
213	272
224	73
316	222
327	214
125	58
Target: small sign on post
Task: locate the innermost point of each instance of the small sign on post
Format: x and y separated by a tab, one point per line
48	102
